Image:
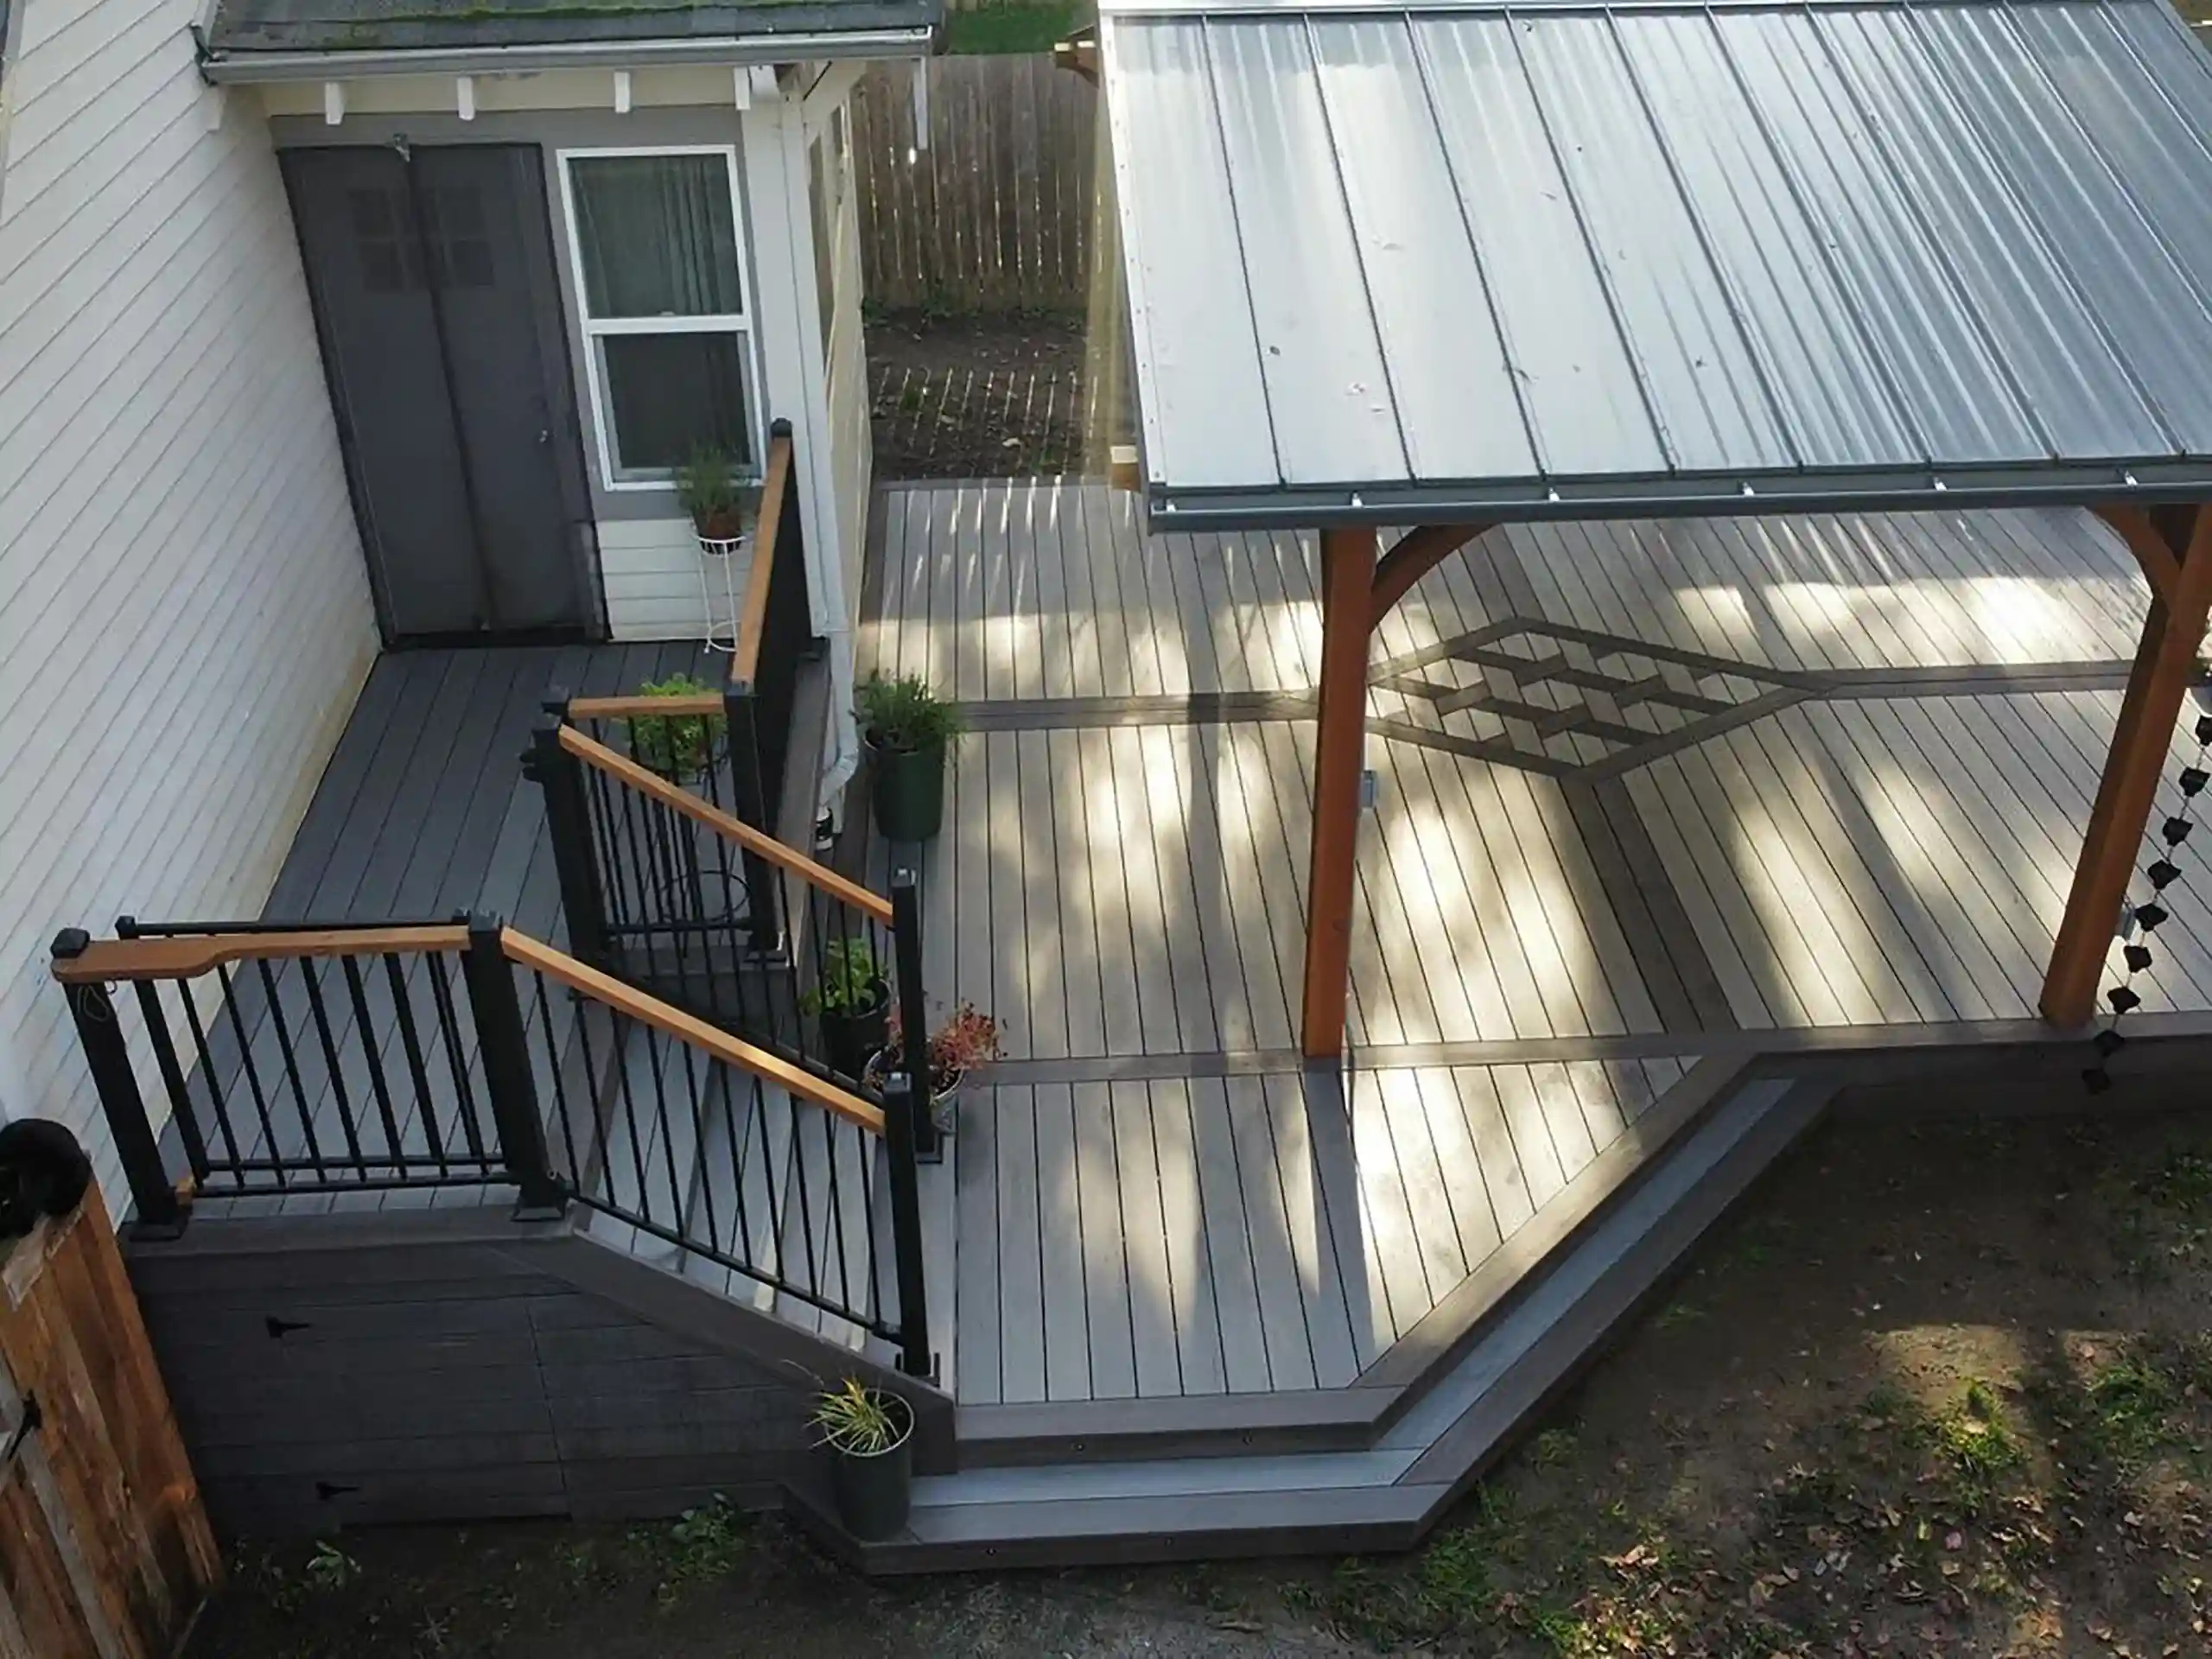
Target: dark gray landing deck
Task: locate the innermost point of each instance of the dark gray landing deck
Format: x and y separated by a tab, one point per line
423	809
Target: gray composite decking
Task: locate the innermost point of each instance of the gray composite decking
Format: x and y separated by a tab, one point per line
423	811
1646	793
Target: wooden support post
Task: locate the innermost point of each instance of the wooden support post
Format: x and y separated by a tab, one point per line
1347	618
2165	663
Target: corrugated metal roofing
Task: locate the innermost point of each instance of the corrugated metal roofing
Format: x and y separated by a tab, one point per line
1563	260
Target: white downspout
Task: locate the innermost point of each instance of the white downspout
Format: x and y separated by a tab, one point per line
782	175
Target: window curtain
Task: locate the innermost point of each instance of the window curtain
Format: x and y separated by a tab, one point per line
657	236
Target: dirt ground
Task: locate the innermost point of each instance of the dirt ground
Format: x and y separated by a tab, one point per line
1933	1392
981	396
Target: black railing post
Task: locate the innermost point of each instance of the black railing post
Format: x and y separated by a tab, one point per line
913	1009
152	1194
568	826
506	1050
899	1115
749	805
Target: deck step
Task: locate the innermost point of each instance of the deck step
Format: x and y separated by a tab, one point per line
1384	1494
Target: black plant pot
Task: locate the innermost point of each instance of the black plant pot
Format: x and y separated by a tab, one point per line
874	1493
850	1037
909	791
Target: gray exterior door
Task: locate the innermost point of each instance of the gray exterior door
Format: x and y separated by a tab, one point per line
439	307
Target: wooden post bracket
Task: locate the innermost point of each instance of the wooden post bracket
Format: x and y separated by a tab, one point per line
2176	551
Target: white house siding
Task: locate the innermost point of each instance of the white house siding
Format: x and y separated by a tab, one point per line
651	567
184	615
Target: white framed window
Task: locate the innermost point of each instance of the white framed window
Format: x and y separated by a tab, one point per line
667	320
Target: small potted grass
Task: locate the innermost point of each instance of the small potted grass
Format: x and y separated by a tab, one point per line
680	748
967	1042
908	729
869	1434
719	502
851	997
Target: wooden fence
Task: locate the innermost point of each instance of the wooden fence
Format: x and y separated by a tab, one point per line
998	209
104	1551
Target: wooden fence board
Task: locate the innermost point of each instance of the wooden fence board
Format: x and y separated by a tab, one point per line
991	208
104	1549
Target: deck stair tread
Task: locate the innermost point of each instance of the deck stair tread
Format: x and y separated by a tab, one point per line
1382	1493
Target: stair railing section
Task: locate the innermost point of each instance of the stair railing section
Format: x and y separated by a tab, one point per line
333	1067
732	747
644	869
716	1147
316	1059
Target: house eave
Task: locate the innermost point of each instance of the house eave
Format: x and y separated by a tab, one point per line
224	68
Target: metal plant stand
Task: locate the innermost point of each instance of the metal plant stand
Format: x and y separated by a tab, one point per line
718	566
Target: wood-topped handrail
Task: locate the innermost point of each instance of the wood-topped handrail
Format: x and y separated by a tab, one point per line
644	705
627	999
753	619
767	847
189	955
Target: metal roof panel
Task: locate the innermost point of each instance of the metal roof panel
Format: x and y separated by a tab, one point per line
1821	366
1582	257
1328	389
1579	382
1204	405
1458	406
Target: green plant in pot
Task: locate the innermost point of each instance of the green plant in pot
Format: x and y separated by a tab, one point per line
870	1436
719	500
676	746
851	998
967	1042
907	728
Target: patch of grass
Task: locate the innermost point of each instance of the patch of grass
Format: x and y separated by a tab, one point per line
1552	1447
1979	1443
2143	1399
330	1568
699	1546
989	30
2162	1216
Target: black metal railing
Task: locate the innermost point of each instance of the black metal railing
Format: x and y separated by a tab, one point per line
756	1166
662	888
291	1060
300	1063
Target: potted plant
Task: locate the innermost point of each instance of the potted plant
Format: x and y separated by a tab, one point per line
851	998
717	499
677	746
907	728
870	1435
966	1043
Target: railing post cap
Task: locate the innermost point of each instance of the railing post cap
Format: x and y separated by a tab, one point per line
71	943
